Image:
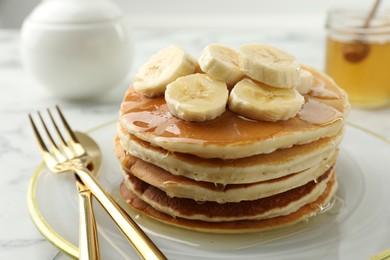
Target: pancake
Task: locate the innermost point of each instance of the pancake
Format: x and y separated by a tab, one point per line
227	173
303	213
231	136
183	187
244	170
277	205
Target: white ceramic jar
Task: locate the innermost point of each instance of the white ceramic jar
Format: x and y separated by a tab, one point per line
77	48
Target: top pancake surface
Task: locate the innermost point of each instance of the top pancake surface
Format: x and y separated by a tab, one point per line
230	135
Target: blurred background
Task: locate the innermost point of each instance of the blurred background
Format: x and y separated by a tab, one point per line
204	13
298	26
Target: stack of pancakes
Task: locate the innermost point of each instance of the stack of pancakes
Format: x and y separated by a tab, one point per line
230	174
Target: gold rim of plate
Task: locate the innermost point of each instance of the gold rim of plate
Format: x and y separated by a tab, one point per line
40	222
71	250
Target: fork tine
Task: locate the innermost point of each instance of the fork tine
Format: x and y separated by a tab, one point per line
69	152
62	140
42	146
72	137
53	145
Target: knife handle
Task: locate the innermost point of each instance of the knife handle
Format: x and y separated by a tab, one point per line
88	239
134	234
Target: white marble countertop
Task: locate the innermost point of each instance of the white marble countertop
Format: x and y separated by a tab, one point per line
19	156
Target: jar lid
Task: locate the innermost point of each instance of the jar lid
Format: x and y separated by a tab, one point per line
352	21
75	11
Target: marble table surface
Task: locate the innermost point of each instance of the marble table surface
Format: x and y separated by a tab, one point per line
20	95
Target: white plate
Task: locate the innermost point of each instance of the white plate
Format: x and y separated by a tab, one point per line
358	229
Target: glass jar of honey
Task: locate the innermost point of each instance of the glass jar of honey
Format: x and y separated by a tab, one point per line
358	55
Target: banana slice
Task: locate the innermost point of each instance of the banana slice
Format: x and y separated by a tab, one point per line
269	65
196	97
306	81
161	69
221	63
258	101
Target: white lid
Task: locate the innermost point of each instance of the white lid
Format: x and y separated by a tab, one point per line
75	11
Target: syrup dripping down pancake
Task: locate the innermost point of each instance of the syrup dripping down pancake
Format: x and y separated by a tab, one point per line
251	169
241	226
231	136
277	205
183	187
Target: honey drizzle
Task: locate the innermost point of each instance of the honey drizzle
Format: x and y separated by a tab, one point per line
318	113
151	116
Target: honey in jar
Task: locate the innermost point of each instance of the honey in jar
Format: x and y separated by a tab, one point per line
358	57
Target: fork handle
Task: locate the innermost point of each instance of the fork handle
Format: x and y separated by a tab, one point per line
134	234
88	239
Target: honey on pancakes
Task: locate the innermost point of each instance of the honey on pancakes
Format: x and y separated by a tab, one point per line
151	115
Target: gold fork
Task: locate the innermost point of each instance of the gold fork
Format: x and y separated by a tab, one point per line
75	161
88	240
